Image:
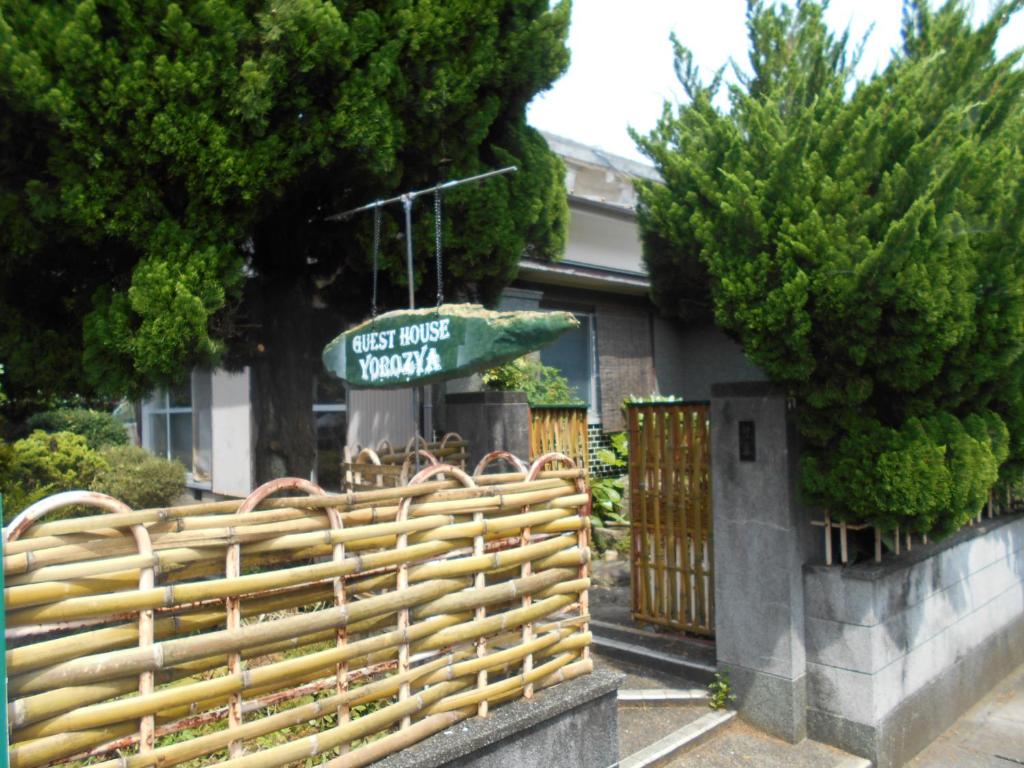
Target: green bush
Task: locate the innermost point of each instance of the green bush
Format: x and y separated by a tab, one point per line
100	429
543	384
45	463
608	492
138	478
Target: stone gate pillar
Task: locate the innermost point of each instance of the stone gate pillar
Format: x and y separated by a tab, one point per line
761	540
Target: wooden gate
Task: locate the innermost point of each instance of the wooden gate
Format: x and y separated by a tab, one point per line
670	511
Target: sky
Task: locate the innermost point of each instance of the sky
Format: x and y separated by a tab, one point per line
621	71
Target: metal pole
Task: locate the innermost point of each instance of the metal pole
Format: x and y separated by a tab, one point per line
417	193
407	205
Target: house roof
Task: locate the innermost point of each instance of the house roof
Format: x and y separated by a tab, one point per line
599	158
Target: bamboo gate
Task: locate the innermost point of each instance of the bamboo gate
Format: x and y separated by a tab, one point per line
560	428
267	631
670	511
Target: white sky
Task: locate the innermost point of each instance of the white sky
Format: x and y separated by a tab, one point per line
621	71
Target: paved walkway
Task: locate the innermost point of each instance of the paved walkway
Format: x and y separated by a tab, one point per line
989	735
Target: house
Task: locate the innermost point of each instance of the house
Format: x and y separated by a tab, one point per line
621	347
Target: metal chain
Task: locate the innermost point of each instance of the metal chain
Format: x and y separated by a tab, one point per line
437	246
376	252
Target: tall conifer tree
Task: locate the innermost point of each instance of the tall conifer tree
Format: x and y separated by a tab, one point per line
864	243
167	169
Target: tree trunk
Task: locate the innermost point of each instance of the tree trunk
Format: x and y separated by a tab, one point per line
282	381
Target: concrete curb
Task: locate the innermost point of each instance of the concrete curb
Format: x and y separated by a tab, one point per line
665	662
687	737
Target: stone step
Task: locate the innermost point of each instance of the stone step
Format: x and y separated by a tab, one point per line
696	669
661	696
684	738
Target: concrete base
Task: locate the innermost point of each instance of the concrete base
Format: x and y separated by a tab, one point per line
772	703
922	717
572	725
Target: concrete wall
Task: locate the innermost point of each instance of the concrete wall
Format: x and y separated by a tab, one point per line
897	651
689	359
571	725
877	659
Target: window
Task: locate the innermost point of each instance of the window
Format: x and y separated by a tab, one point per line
170	424
179	425
330	423
573	354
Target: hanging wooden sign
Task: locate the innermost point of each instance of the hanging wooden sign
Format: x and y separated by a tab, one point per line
423	345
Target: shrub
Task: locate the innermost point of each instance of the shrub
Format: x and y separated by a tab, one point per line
138	478
45	463
543	384
100	429
608	492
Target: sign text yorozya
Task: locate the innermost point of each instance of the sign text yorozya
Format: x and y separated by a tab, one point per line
422	345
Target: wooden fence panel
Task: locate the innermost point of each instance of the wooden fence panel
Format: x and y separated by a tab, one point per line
561	430
670	511
336	628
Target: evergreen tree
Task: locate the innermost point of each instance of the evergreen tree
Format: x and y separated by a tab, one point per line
863	242
167	169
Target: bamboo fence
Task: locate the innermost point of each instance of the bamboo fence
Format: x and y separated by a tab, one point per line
385	467
562	429
670	515
896	540
271	630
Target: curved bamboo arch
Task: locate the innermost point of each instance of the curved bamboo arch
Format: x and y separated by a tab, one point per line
495	456
147	579
402	541
364	455
411	443
583	542
233	605
407	464
380	448
451	436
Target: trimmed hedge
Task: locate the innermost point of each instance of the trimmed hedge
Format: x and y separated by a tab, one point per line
100	429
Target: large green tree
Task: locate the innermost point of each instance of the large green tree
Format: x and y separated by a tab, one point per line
863	241
167	168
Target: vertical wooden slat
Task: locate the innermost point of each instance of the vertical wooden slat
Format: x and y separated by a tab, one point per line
671	487
656	506
700	605
635	508
689	509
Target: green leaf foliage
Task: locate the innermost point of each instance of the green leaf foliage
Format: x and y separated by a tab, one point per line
543	384
100	429
863	241
44	463
167	171
138	478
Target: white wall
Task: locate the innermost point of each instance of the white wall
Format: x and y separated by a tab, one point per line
604	240
232	434
379	414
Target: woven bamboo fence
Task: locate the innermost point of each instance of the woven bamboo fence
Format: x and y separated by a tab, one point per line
386	467
562	429
275	630
670	515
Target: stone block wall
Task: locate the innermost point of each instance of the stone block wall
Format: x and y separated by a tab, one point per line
895	652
